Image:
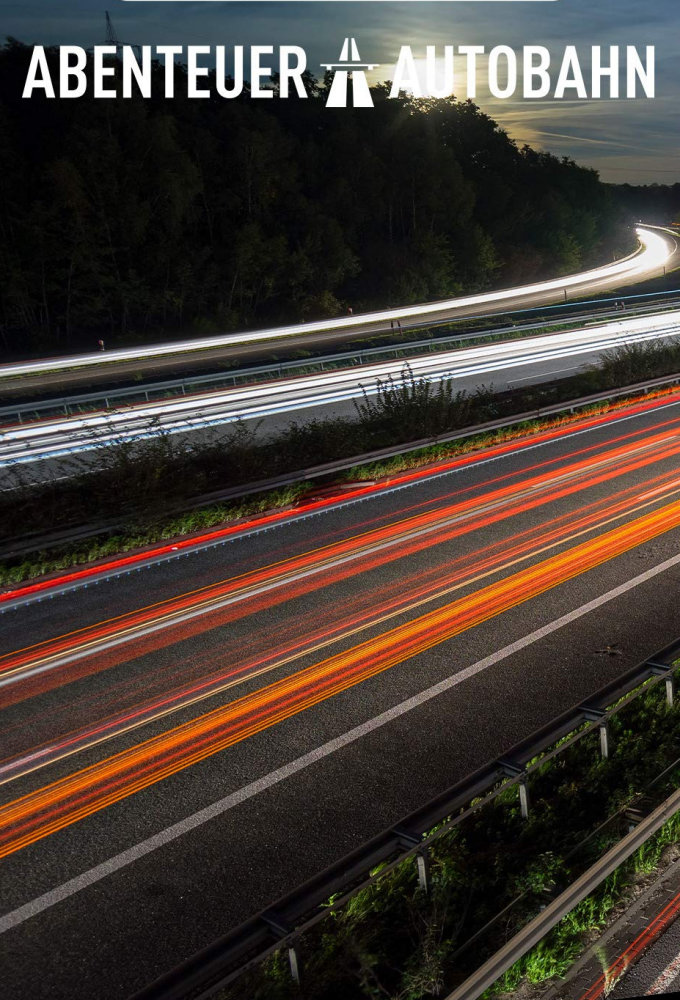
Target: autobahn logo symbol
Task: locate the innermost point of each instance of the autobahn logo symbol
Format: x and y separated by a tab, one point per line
349	68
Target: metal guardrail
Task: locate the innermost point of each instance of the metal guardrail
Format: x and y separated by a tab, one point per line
130	395
279	926
533	932
69	405
38	543
382	454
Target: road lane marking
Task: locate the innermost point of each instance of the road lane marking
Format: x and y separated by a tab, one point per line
16	767
76	796
119	861
12	768
665	980
558	371
314	562
518	443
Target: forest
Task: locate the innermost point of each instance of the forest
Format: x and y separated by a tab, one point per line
139	219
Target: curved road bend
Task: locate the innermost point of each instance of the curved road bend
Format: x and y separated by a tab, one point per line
660	252
182	745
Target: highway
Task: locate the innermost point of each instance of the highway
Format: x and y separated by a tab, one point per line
190	733
329	393
658	251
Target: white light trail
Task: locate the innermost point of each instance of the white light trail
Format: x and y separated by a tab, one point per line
656	250
54	438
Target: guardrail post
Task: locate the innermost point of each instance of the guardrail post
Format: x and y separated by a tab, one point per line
524	798
514	770
423	862
600	716
666	670
410	839
280	929
294	962
633	817
604	740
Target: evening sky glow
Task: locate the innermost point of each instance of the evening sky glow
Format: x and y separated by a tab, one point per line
635	141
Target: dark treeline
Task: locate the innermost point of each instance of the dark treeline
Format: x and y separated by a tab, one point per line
139	218
653	203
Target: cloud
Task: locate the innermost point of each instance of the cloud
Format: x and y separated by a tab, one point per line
624	139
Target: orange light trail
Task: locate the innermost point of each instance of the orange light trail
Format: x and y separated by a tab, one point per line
376	610
368	550
72	798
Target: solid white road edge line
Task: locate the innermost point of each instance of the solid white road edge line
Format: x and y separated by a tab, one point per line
197	819
664	982
387	490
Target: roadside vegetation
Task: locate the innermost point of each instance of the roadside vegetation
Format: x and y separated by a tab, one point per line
394	941
553	957
134	494
639	362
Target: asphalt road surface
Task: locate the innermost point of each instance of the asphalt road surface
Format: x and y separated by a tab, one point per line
183	744
639	953
43	445
658	971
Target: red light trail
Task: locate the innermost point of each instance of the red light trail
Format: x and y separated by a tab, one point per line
515	442
63	802
384	621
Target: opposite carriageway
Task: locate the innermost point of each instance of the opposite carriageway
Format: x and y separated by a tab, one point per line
514	361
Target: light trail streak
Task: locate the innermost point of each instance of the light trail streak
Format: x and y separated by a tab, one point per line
517	443
656	250
605	983
434	584
52	438
78	795
373	548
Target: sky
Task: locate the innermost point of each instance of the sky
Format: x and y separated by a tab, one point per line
637	141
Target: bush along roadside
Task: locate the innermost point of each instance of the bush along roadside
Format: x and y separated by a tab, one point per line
394	940
133	493
556	953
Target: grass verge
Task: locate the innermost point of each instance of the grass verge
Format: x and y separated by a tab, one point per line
145	488
394	941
